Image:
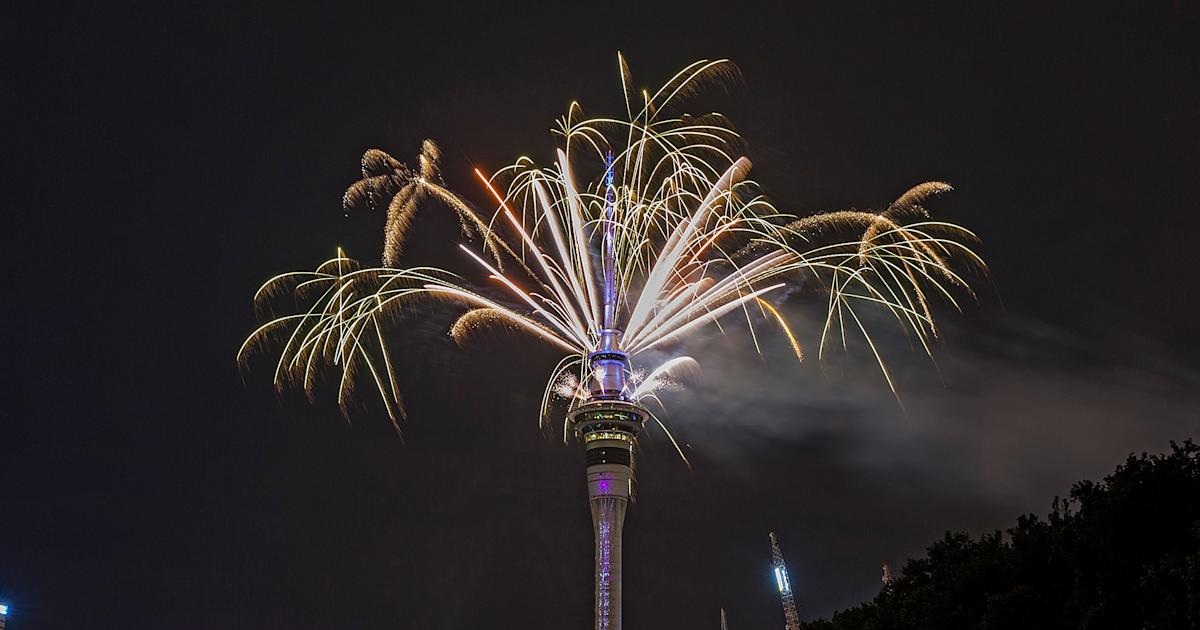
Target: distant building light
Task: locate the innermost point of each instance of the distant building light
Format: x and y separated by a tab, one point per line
3	609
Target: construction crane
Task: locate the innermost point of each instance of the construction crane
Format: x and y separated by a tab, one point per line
791	619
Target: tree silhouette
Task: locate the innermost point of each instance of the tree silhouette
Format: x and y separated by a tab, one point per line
1122	553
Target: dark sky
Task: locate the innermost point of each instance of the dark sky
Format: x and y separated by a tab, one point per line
158	165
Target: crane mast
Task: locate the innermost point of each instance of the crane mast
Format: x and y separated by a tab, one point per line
791	619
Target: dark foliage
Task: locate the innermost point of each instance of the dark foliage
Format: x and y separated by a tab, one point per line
1123	553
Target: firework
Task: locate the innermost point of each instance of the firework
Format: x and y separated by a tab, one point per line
667	235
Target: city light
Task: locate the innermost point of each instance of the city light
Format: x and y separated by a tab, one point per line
3	609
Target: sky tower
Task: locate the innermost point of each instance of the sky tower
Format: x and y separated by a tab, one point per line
608	422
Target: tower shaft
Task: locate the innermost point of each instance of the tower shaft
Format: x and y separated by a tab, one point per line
608	520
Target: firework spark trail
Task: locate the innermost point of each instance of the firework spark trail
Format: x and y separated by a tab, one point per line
672	372
670	237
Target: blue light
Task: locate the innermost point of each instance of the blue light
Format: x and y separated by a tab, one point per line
608	171
3	609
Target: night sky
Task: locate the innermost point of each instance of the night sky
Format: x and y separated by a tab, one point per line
159	165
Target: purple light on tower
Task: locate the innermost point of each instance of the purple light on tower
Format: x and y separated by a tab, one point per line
608	422
610	245
604	574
